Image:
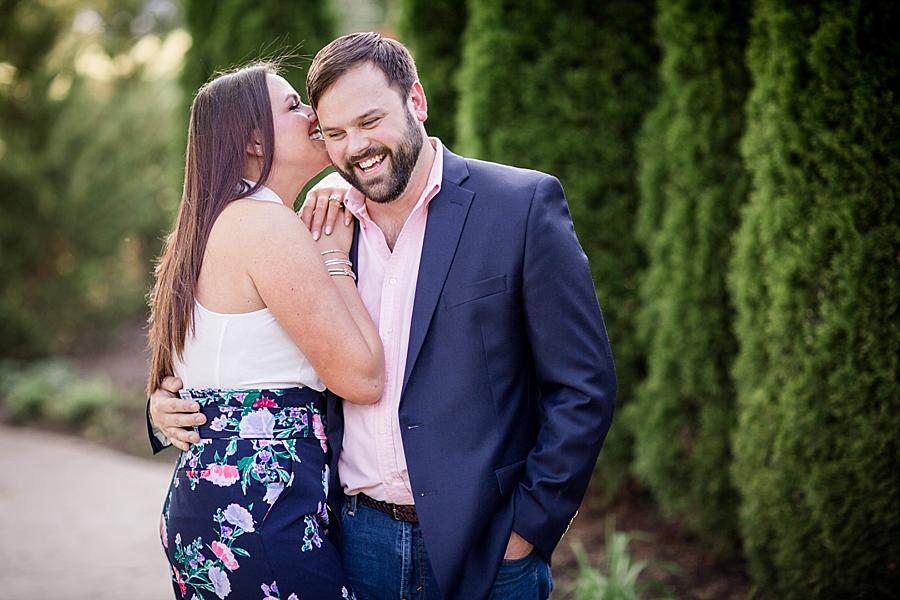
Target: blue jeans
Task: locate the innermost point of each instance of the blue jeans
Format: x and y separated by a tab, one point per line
386	559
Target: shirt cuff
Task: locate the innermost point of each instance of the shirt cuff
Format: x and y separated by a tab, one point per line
159	435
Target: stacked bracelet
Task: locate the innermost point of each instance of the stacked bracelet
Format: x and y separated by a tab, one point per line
334	251
345	271
338	261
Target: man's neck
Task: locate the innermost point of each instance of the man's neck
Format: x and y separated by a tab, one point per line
392	215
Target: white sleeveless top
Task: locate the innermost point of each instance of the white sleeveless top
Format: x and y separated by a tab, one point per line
243	350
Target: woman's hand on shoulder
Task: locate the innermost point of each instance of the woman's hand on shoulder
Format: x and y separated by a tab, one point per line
323	209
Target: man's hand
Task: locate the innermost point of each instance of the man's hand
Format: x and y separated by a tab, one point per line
324	205
174	416
517	547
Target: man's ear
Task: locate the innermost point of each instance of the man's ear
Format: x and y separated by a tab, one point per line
418	101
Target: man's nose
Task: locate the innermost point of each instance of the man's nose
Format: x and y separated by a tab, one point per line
357	142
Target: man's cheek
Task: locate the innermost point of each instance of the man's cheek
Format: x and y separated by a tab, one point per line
334	154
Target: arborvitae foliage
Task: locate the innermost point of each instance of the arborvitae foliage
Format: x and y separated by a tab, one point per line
432	29
28	34
228	33
815	283
562	88
692	184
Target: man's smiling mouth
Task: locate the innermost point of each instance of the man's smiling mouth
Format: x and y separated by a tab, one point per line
371	163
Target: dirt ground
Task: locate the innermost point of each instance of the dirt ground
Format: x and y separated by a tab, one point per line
79	521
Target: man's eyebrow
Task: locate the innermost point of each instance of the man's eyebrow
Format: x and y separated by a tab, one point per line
369	113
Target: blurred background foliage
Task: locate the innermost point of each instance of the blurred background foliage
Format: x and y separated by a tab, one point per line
732	168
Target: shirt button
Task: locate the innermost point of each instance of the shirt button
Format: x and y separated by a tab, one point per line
392	281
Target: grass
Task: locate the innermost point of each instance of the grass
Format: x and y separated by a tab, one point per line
619	577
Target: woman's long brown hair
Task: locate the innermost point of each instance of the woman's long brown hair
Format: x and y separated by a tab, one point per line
226	114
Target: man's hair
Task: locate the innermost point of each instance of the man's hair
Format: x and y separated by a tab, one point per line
355	49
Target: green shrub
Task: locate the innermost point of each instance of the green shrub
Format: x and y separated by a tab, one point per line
432	29
51	392
562	88
816	288
229	33
692	185
86	170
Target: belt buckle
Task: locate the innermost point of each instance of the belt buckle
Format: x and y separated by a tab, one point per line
394	512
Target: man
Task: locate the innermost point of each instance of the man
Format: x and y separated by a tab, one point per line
499	387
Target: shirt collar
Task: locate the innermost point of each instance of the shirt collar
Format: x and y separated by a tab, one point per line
263	193
356	202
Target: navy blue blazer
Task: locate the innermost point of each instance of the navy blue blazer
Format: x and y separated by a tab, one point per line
509	385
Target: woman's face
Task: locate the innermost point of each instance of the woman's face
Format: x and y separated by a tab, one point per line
298	142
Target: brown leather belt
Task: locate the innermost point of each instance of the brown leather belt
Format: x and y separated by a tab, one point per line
398	512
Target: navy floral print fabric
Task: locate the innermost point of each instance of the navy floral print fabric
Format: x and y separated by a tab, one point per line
246	516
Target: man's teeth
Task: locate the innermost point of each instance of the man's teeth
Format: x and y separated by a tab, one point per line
370	162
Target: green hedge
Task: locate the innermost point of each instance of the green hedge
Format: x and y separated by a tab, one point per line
562	89
228	33
692	185
815	283
432	30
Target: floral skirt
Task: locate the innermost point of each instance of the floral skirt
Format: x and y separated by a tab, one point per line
246	514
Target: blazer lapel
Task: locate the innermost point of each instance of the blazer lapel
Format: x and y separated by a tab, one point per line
354	247
446	217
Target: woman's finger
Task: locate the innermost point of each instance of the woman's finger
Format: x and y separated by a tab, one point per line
318	218
306	212
335	206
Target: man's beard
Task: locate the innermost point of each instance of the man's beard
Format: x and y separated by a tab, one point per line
403	161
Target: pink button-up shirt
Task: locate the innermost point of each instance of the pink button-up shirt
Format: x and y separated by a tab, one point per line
372	460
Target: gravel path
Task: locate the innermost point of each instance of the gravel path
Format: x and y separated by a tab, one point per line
79	521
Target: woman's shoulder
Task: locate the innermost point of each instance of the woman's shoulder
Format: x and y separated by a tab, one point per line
261	228
257	216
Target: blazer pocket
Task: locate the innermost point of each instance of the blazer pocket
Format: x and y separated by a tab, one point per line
508	477
474	291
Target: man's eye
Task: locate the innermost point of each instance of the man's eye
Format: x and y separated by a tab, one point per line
370	122
334	135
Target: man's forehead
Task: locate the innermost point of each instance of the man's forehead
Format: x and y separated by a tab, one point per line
358	92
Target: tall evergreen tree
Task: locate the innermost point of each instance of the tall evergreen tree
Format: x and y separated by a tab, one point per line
563	88
28	34
227	33
432	29
692	184
816	287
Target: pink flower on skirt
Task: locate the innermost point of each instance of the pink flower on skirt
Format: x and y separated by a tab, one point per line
179	581
221	475
163	534
265	402
319	431
225	553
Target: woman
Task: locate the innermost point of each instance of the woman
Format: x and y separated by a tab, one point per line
256	319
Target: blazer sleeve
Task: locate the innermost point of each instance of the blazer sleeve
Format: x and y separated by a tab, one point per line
158	441
573	366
